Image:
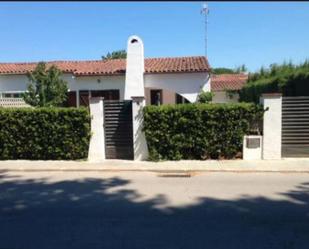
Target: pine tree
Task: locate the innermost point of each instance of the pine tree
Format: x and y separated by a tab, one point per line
241	69
119	54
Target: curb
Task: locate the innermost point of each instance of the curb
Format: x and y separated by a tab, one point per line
282	171
211	166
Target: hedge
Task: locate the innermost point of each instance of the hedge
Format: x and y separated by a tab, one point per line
44	133
294	84
288	79
198	131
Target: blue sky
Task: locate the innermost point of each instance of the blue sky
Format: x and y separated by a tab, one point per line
249	33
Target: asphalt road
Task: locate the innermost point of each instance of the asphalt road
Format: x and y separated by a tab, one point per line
92	210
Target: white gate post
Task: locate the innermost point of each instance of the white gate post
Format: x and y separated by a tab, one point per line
97	143
139	141
272	125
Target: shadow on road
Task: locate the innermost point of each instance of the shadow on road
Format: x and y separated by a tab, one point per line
37	214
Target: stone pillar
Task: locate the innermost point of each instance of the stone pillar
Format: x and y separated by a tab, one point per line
97	141
139	140
272	125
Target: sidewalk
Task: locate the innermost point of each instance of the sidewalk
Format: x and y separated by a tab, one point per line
284	166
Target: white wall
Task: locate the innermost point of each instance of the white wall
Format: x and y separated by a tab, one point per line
186	84
189	85
106	83
92	83
13	83
223	97
20	83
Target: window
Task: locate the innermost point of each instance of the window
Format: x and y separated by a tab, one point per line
84	95
11	95
180	99
156	97
106	94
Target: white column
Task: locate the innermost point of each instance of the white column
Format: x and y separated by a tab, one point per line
134	85
139	140
272	125
97	143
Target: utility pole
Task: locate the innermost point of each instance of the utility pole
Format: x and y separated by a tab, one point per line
205	12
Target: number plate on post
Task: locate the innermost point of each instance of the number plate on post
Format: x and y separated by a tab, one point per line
253	143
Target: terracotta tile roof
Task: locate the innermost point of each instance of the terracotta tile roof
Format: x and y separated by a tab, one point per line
116	66
222	82
177	64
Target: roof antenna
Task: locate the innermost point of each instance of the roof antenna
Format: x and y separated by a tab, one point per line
205	12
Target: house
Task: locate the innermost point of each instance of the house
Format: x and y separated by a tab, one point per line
225	86
166	80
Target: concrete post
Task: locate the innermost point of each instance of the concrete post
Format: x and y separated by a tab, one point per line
97	143
272	125
139	140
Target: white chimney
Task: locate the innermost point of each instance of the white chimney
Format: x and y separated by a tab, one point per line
134	85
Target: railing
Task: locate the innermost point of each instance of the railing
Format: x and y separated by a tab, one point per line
13	102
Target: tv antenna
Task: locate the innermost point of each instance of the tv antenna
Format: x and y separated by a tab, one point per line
205	12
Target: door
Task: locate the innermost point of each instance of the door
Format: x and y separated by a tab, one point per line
84	98
71	99
156	97
118	129
295	126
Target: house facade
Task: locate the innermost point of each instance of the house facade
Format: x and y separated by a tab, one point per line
225	87
160	80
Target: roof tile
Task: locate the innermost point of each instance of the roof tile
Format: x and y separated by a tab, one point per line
222	82
115	66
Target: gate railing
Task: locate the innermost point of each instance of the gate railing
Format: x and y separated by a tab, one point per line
13	102
295	126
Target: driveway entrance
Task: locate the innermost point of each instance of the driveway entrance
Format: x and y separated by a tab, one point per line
118	130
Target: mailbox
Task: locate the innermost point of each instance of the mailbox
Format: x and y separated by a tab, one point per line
253	143
252	147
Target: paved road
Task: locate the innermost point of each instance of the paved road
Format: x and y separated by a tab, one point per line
58	210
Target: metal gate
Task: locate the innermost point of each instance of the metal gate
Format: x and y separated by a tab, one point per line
295	126
118	129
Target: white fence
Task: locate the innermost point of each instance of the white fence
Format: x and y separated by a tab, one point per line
13	102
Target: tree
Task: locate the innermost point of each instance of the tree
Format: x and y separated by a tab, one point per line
119	54
224	70
46	88
241	69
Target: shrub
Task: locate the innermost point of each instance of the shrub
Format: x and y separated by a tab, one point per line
44	133
205	97
198	131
